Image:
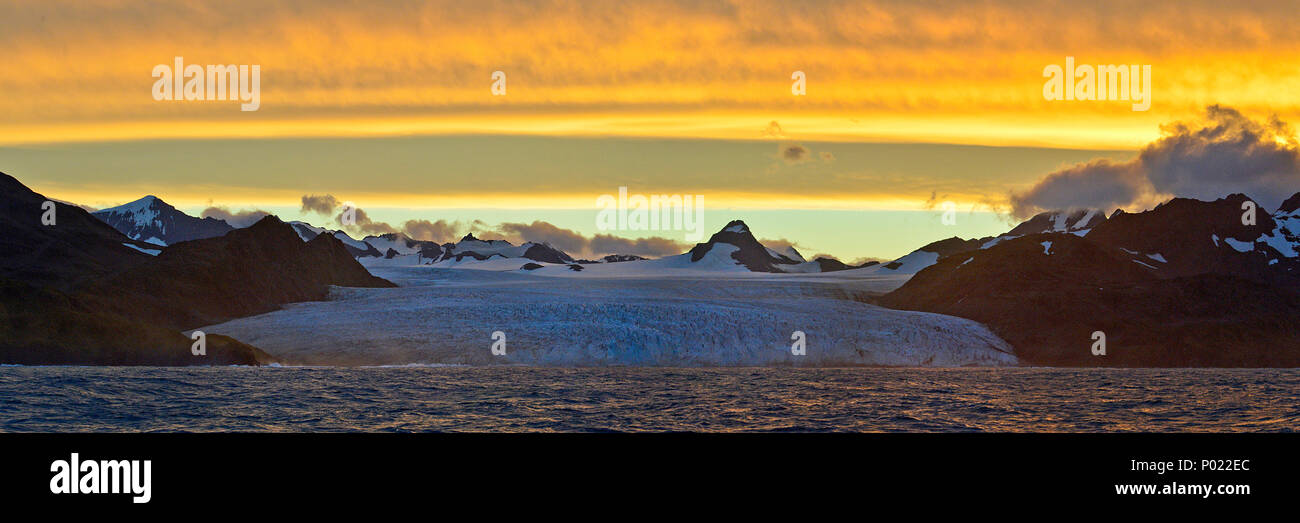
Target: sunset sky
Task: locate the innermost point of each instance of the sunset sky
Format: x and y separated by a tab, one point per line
388	104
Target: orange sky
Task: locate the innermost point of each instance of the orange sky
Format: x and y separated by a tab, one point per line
877	71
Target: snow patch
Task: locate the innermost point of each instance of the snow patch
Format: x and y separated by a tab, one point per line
151	252
997	240
910	264
1239	246
1279	243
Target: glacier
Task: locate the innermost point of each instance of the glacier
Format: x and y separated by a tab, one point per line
447	316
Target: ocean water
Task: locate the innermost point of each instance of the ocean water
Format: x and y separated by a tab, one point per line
66	399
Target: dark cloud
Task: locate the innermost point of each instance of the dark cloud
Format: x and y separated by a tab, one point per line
1225	153
323	204
236	219
1099	184
361	223
794	153
1221	153
934	200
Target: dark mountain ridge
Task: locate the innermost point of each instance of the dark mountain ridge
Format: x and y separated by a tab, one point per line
1156	283
77	292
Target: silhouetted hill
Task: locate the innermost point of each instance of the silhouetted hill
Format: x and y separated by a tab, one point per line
80	292
1166	287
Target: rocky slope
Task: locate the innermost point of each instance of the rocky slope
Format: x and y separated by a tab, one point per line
80	292
1167	287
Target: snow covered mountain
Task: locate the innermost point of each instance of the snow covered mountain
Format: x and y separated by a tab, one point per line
1185	237
422	252
473	248
732	249
152	220
355	247
1077	222
926	256
736	245
396	244
1188	283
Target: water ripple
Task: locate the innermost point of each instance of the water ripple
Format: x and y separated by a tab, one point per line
411	399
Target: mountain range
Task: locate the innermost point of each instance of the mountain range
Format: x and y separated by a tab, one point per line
1187	283
1184	284
77	291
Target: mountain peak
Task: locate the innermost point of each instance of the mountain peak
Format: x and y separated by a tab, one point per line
1291	204
1059	221
736	226
470	238
150	219
746	250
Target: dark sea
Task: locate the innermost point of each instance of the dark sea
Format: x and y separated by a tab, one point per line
296	399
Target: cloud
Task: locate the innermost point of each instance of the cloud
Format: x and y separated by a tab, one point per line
324	204
827	157
567	240
779	243
1226	152
774	130
236	219
83	207
362	224
543	232
440	231
933	201
575	243
652	247
443	231
1221	153
793	153
1100	184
